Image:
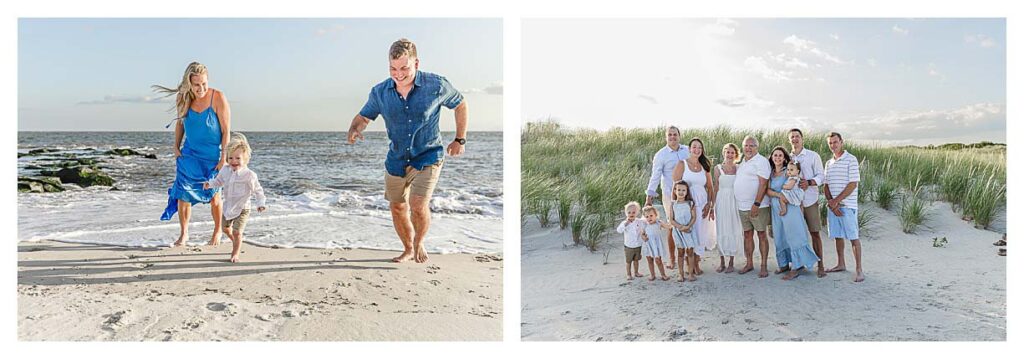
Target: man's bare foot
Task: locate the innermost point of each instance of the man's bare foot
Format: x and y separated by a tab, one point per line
837	269
821	272
234	258
782	270
699	271
746	269
792	274
406	256
763	273
720	269
693	277
858	278
421	255
730	269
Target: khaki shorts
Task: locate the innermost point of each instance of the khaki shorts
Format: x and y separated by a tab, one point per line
419	182
237	223
632	254
812	215
760	224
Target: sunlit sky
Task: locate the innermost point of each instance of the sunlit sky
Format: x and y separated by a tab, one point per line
902	81
278	74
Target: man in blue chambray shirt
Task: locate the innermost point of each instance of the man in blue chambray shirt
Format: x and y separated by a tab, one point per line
410	101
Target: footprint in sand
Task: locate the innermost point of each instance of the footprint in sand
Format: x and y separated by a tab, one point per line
115	320
228	308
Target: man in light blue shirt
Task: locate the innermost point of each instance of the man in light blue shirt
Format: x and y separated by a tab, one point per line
664	163
410	101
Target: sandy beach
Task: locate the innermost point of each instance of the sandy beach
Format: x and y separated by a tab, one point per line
913	292
80	292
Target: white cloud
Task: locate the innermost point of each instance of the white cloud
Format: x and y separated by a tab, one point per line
899	30
331	30
493	89
721	27
112	99
758	65
834	36
980	40
788	61
804	45
745	100
930	124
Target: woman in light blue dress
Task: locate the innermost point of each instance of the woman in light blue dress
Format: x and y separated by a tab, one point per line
792	242
203	122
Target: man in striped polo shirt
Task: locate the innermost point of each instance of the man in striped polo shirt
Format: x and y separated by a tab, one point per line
842	173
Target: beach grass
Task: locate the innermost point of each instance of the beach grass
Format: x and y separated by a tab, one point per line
913	212
597	172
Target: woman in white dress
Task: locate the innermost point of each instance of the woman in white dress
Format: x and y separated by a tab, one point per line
696	171
728	230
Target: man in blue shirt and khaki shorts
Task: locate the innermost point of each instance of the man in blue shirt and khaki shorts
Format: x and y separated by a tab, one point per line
410	101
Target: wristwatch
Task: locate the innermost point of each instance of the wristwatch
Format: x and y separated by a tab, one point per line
461	141
757	204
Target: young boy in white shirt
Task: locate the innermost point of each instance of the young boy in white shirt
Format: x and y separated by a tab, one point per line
239	183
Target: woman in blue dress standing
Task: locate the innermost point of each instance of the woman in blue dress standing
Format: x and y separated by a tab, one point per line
204	123
792	241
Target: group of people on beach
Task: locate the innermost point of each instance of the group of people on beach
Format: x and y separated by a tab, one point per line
410	101
723	206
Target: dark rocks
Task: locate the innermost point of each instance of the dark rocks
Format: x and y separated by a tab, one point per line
85	176
124	152
39	185
151	156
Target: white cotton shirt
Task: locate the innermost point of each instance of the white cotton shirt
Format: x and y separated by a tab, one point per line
839	173
746	185
661	169
239	186
810	169
631	233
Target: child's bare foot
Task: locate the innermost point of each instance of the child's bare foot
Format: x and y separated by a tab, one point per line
782	270
821	272
421	255
747	268
859	277
234	258
406	256
837	269
763	273
792	274
730	269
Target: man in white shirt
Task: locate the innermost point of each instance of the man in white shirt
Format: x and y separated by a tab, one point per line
661	173
812	173
750	187
842	174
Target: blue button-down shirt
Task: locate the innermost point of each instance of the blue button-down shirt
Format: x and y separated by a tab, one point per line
412	122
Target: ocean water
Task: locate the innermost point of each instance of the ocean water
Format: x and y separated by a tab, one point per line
321	193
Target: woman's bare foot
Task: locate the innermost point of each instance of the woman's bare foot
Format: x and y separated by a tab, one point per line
746	269
720	269
421	255
763	273
406	256
858	278
782	270
693	277
821	272
234	258
215	240
792	274
181	240
837	269
664	277
729	269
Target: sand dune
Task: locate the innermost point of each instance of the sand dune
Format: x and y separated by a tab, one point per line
913	291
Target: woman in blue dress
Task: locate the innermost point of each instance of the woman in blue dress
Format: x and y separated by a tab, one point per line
792	241
204	123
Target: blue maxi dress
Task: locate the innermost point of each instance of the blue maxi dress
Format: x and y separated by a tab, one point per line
197	164
792	240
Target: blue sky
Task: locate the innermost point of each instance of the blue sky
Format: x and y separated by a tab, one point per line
278	74
900	81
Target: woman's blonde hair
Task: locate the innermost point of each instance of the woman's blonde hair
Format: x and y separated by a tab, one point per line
239	142
184	97
734	149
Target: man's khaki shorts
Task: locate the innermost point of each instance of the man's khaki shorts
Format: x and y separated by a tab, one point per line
812	215
419	182
760	224
237	223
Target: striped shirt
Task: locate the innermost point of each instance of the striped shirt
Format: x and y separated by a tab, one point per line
839	173
810	169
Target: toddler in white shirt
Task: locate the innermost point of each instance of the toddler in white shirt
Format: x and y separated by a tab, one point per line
240	184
